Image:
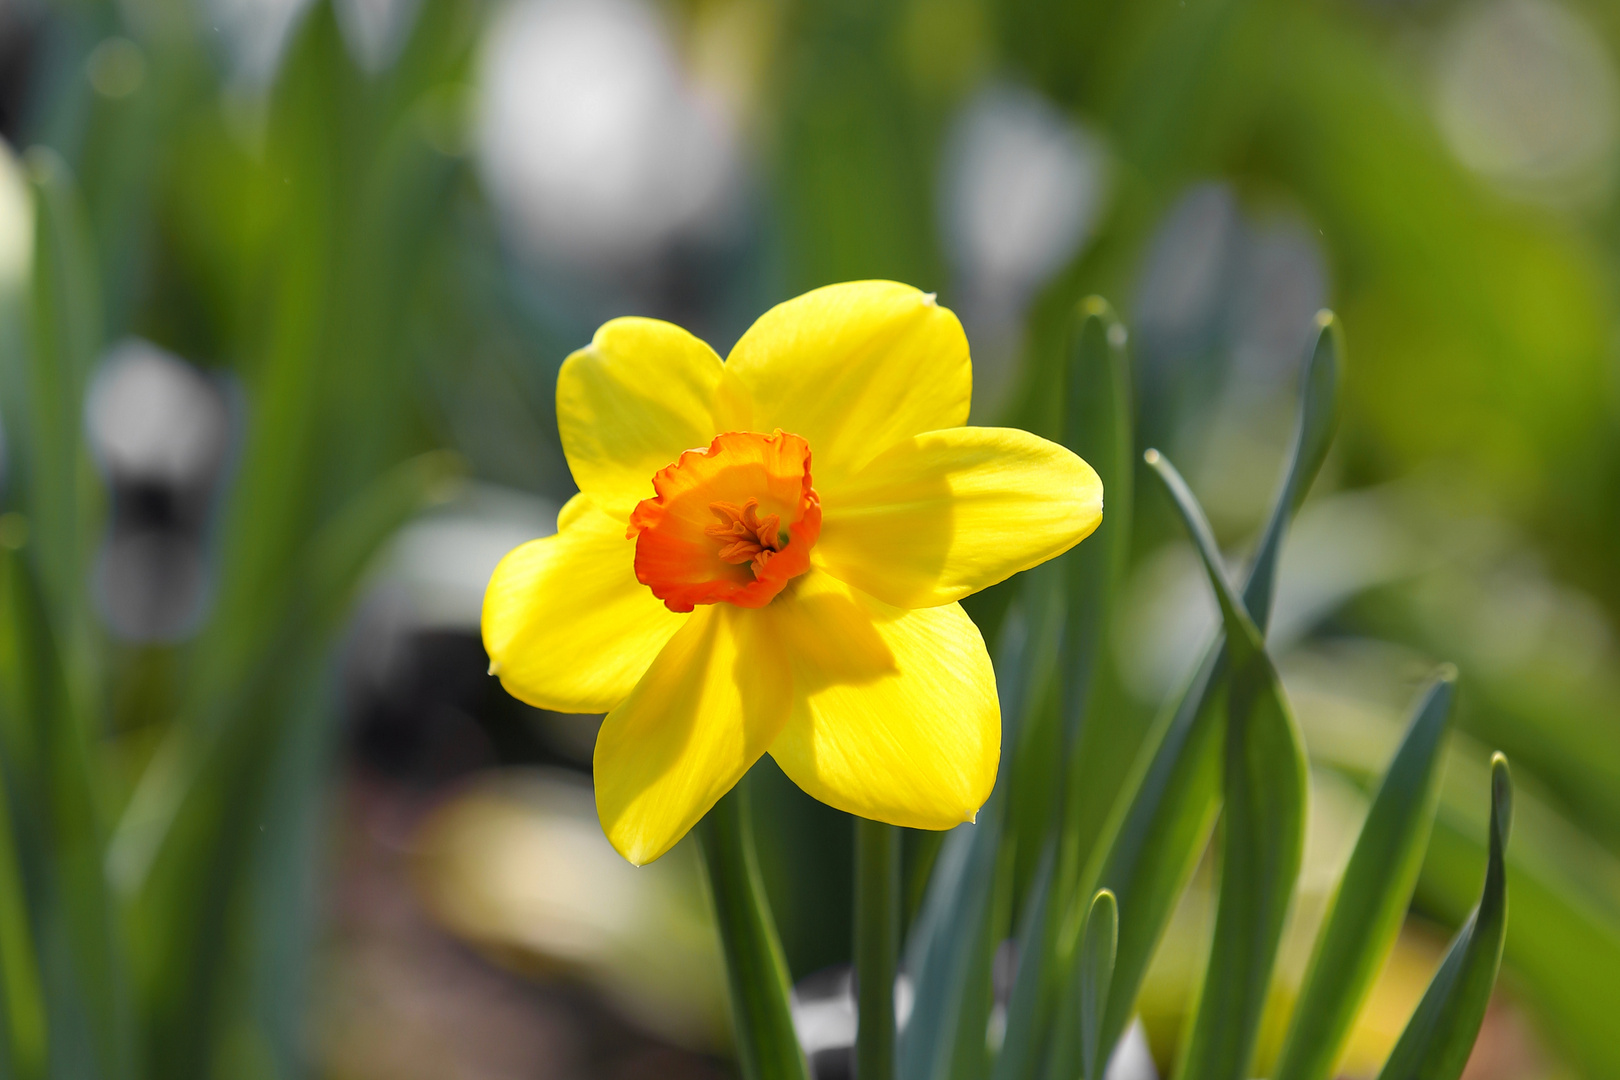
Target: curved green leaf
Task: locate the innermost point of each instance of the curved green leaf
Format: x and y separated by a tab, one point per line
1441	1033
1156	831
1318	420
1262	836
1096	971
1366	912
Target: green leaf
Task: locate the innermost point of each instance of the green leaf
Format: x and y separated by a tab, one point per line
1097	425
64	340
1441	1033
190	827
1366	912
328	573
1096	970
1262	835
1030	998
767	1048
1564	942
939	948
76	929
23	1029
1318	420
1156	831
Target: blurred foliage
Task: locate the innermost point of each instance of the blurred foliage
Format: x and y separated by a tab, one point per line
318	240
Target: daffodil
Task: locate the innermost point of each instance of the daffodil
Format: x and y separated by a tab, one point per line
766	554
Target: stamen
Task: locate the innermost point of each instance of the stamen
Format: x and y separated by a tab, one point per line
744	535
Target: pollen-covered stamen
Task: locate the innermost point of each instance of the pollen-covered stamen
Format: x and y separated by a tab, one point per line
744	536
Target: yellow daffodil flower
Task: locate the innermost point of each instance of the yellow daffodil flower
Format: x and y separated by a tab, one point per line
766	556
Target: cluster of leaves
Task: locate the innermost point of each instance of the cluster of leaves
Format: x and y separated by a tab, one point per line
1225	758
1482	327
160	820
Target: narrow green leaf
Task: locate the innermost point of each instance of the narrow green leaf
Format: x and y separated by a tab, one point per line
1262	835
1095	758
956	899
1318	420
952	948
1097	949
1441	1033
64	339
767	1048
328	571
1366	911
1156	831
1030	997
1097	426
74	918
188	836
20	989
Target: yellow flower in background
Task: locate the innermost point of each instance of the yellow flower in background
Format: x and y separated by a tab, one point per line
766	556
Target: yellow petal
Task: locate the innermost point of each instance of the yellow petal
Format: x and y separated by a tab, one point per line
942	515
567	625
629	403
708	707
894	712
853	368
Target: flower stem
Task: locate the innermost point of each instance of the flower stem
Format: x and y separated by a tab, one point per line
767	1048
877	946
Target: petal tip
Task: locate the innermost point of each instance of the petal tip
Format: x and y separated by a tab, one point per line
634	851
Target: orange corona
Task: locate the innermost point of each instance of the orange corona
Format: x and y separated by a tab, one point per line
733	523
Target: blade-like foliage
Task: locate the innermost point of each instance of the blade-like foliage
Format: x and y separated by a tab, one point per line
64	338
22	1018
1318	421
1441	1033
1262	836
1157	830
1096	973
49	660
950	932
1371	900
767	1048
1097	426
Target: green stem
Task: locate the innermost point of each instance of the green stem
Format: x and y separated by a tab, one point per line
767	1048
877	946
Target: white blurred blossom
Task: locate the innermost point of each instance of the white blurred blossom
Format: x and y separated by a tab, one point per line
592	138
1022	188
1020	191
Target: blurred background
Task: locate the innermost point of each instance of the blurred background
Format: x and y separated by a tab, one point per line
284	288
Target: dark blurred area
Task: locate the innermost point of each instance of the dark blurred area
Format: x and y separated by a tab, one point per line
284	289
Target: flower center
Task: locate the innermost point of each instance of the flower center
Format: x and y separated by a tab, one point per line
734	522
